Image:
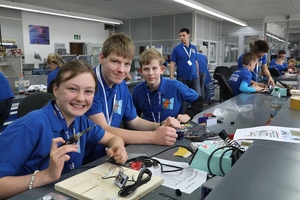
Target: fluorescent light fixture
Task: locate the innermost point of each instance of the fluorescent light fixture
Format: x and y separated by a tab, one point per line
211	11
274	37
36	9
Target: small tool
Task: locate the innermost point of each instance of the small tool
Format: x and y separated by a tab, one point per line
75	137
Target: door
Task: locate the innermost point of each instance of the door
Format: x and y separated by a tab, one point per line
76	48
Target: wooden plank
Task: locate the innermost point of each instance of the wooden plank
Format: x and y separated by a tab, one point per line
89	185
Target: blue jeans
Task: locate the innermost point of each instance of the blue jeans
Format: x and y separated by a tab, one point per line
194	84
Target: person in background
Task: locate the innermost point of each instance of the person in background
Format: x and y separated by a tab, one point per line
260	48
240	80
279	65
6	97
158	98
281	53
54	61
184	56
113	103
39	144
292	63
204	75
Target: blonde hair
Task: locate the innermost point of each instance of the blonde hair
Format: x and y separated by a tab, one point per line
55	58
119	44
151	54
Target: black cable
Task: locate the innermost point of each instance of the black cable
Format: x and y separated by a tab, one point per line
211	155
129	189
221	159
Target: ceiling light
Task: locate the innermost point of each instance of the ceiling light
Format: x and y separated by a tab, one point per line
211	11
36	9
272	36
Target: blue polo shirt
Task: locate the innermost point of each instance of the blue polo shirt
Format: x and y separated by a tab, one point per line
262	61
120	108
273	62
279	67
52	75
163	103
241	74
180	55
26	141
119	102
5	91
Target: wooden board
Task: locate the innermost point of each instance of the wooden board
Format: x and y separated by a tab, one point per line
89	185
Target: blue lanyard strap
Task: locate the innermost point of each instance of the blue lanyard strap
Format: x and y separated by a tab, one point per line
61	117
107	116
159	103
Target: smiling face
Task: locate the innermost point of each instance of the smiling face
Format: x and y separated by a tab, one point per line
114	68
151	73
75	96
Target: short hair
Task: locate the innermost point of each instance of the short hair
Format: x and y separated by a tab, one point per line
150	54
281	52
260	46
248	57
119	44
279	58
71	69
55	58
293	61
184	30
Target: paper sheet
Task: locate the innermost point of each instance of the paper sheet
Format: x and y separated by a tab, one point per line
187	180
284	134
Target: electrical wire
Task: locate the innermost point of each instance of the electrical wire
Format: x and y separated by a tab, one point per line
129	189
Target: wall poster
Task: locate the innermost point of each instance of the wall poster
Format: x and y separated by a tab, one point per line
39	34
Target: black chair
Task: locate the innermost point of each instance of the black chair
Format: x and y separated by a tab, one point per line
233	68
224	70
274	72
32	102
226	91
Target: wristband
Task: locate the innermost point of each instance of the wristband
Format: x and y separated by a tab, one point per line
32	179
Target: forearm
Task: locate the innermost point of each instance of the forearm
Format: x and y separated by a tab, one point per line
133	136
172	69
13	185
245	88
266	71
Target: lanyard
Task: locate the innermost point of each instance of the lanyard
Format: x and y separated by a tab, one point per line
188	54
108	117
159	103
61	117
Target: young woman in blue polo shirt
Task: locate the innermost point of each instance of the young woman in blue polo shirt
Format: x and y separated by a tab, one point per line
34	142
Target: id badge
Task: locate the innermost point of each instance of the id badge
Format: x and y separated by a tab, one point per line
189	62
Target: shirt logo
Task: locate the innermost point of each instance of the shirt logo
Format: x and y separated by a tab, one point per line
168	103
118	106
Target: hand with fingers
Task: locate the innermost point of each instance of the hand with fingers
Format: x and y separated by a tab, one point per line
183	118
119	154
58	157
166	134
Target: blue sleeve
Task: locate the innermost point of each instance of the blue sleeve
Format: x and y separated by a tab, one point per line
245	88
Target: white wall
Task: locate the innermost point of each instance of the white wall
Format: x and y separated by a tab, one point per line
61	30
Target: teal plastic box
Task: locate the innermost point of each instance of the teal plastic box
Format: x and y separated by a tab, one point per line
283	92
200	159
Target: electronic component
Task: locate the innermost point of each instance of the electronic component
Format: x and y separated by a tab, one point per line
121	179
